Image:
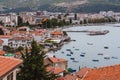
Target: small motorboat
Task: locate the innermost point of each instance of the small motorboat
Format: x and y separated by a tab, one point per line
68	54
71	52
68	49
106	47
76	49
72	58
75	61
82	55
62	52
106	57
95	60
100	54
90	43
114	57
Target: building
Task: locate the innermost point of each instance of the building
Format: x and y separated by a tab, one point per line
57	63
23	41
8	68
5	39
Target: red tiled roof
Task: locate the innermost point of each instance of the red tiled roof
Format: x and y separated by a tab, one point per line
55	70
7	64
104	73
82	72
68	77
2	52
57	33
5	36
56	60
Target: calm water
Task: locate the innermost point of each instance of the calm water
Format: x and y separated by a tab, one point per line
112	40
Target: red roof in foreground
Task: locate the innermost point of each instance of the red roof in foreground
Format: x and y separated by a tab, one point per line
55	70
2	52
69	77
7	64
104	73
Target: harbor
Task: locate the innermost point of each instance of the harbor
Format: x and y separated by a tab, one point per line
91	51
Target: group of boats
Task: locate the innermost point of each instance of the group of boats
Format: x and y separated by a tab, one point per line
73	59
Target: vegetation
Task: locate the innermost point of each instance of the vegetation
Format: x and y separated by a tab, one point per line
1	31
33	67
8	49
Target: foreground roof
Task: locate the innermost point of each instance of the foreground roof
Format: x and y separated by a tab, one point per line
8	64
104	73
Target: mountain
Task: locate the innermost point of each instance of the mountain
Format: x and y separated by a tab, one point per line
60	5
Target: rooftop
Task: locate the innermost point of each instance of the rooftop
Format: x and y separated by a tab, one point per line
11	64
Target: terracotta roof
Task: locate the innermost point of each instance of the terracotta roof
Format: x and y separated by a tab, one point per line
68	77
104	73
21	38
56	60
1	41
57	33
5	36
2	52
7	64
55	70
81	73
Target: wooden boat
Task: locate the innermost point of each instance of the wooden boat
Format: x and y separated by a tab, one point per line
95	60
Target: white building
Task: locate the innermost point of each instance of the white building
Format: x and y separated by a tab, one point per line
23	41
5	39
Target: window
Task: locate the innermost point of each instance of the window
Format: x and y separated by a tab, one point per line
10	76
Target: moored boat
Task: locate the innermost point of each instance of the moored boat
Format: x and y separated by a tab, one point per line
95	60
68	55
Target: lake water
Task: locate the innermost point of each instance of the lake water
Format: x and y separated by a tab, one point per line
112	40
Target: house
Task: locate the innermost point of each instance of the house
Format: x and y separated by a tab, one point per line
57	62
8	68
57	71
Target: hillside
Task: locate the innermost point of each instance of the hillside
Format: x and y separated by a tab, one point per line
61	5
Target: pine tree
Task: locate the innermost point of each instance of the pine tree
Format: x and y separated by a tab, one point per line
33	67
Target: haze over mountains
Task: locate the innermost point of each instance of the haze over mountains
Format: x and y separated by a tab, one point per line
61	5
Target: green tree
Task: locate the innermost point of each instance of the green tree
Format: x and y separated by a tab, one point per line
75	16
20	48
20	21
33	67
1	31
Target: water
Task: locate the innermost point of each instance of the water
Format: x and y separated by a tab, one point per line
112	40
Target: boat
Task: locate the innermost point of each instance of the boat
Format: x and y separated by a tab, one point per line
62	52
75	61
89	43
76	49
106	47
114	57
82	55
68	55
95	60
106	57
100	54
71	52
92	33
72	58
68	49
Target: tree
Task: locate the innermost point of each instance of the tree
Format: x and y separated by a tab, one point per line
20	21
75	16
20	48
1	31
33	67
